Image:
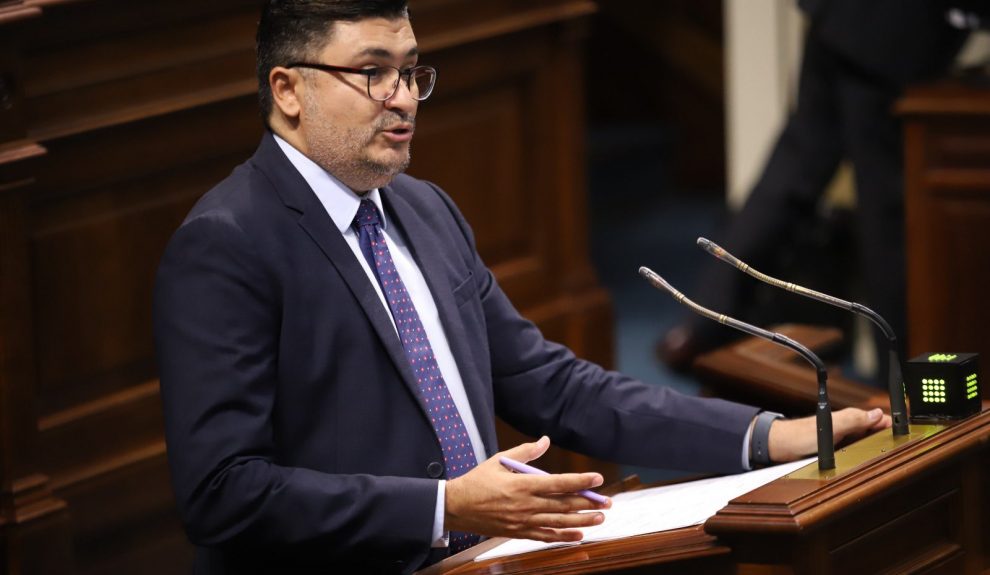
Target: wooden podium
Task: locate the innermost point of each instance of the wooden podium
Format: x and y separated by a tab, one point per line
914	504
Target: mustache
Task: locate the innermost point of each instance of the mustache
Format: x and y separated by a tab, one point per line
393	119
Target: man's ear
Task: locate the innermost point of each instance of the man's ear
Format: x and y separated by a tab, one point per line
287	86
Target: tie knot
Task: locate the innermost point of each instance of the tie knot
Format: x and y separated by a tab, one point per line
367	214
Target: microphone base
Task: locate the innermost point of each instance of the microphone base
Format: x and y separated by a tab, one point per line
870	448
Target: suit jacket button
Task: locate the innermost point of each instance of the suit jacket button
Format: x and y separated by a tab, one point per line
434	469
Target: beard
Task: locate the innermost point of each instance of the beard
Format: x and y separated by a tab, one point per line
347	152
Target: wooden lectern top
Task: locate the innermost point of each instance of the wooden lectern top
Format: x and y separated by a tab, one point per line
916	503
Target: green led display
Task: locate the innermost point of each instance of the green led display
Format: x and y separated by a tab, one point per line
943	385
933	390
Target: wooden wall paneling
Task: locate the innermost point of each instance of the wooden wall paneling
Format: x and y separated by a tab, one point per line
947	202
34	536
129	68
141	108
11	122
124	520
34	532
559	95
468	142
99	231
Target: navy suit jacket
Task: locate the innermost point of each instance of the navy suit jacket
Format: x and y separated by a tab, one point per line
296	440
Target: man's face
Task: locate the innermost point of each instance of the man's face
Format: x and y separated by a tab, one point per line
362	142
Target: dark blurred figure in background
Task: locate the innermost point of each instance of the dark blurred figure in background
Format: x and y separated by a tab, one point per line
858	58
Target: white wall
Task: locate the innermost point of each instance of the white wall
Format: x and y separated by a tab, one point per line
762	56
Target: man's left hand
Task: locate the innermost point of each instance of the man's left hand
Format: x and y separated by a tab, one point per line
792	439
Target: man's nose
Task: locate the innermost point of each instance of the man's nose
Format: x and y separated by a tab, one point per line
402	98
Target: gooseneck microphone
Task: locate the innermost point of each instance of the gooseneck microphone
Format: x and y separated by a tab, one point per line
823	414
895	381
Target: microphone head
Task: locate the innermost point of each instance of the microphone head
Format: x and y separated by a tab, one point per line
657	281
711	247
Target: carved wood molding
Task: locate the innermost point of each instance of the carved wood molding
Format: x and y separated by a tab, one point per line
671	549
949	98
897	505
801	503
147	110
16	159
16	10
472	28
27	499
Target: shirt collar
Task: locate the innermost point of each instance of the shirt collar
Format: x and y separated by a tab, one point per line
340	202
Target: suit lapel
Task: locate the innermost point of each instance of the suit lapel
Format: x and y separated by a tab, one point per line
319	227
314	220
427	251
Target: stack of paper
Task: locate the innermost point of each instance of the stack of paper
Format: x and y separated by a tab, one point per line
661	508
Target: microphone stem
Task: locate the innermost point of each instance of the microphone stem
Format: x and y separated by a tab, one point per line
823	420
895	381
823	414
895	388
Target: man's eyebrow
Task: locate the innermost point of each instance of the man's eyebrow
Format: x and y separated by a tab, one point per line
384	53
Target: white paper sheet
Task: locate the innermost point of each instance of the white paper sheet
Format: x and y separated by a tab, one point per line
660	508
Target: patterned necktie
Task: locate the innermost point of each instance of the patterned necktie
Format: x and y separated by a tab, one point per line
458	455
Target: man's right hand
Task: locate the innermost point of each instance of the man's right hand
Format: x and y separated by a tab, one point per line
491	500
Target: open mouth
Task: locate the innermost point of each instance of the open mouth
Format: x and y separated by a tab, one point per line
400	130
399	134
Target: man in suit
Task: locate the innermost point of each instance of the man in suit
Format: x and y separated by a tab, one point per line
858	57
333	351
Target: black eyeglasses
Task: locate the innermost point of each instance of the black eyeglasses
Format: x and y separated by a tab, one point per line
383	81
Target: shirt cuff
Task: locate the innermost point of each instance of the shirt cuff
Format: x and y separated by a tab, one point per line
441	538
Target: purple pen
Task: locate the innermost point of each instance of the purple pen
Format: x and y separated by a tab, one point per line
523	468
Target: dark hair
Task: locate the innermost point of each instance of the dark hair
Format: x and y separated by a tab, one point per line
294	30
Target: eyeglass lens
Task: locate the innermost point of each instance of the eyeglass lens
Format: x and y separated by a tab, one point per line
385	82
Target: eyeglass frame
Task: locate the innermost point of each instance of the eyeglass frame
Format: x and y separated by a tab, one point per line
370	72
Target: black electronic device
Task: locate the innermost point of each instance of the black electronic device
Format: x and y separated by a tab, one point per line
943	385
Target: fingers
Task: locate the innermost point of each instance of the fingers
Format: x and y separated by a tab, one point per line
852	423
853	420
567	521
562	483
492	500
548	535
553	527
527	452
563	503
796	438
549	484
873	417
882	422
